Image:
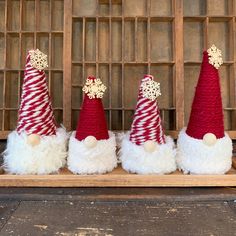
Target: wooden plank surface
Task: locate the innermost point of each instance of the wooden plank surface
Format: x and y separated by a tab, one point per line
117	178
121	218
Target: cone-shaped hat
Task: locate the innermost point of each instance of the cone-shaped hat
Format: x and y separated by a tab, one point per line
92	121
207	113
35	113
147	121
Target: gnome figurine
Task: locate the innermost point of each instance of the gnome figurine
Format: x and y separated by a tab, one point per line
204	147
145	149
37	146
92	148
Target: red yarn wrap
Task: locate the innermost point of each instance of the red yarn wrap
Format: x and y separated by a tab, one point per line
207	113
147	120
92	120
35	113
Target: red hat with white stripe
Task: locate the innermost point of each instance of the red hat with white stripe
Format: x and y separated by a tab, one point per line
35	113
37	146
146	149
204	147
146	124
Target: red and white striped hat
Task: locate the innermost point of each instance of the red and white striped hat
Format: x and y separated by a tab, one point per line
146	124
35	113
145	149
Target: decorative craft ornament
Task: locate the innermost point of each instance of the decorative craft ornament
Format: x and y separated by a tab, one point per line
215	57
146	149
209	139
90	142
151	89
38	59
33	139
37	146
92	148
94	88
203	147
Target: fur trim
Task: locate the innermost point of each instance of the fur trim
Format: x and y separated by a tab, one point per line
97	160
194	157
47	157
136	160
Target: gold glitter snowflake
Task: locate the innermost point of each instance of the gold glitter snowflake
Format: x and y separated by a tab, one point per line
94	88
151	89
38	59
215	57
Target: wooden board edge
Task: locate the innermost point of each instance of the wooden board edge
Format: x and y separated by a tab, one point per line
117	180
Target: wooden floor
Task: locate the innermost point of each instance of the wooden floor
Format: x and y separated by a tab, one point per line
118	211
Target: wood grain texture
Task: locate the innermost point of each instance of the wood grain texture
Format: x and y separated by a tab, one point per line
179	60
117	178
121	218
67	64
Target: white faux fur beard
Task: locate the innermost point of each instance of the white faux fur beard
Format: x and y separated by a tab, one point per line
194	157
97	160
45	158
135	159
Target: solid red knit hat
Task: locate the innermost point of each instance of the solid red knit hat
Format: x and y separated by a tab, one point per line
92	121
35	113
207	113
146	124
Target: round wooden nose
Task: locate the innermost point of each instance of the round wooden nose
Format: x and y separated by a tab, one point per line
90	142
33	140
150	146
209	139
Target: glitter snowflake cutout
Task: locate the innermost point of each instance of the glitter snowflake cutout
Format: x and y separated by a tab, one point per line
38	59
151	89
94	88
215	57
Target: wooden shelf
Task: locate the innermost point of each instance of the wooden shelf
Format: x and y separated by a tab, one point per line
118	178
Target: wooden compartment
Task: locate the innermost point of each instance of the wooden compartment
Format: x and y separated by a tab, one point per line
84	7
57	14
135	8
116	40
13	46
2	15
28	15
103	41
13	15
191	73
218	33
161	42
43	43
56	51
194	7
27	43
116	7
119	41
45	15
2	50
160	8
56	87
193	35
218	7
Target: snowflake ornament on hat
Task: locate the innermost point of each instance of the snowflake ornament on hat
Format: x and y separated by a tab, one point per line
37	146
204	147
92	148
145	149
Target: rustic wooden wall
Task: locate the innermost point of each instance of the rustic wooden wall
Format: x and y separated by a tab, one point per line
119	41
